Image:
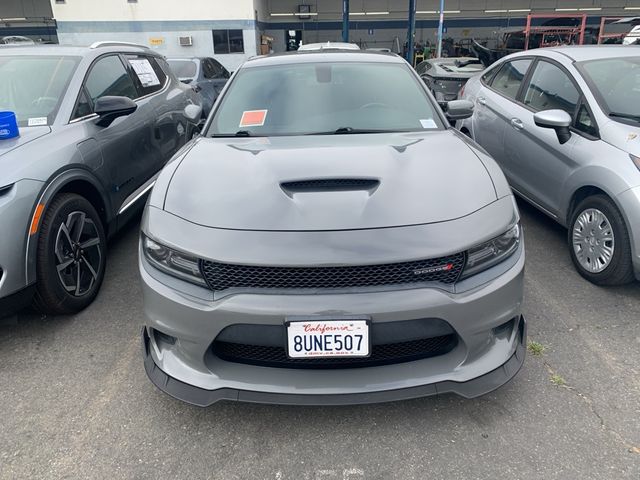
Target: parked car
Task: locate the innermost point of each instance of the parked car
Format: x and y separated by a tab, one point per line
16	40
446	76
331	240
206	75
308	47
96	124
564	125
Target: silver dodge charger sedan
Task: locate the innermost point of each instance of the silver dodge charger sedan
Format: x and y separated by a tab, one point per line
330	239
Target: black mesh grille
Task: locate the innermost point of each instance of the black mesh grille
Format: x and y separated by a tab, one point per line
221	276
385	354
322	184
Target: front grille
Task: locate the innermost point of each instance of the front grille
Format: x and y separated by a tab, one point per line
223	276
385	354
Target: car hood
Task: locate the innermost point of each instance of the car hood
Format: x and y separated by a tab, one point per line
383	180
626	137
27	134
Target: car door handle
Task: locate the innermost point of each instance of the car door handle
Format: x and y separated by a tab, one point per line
482	100
517	123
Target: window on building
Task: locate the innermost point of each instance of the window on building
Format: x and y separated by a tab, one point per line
228	41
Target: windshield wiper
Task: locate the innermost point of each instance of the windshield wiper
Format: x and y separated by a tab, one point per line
239	133
628	116
351	130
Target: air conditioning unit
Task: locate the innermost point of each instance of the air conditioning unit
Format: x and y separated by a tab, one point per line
186	41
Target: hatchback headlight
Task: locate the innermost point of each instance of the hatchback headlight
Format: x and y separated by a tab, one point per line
486	255
172	262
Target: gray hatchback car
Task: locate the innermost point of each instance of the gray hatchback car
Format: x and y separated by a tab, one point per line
564	125
96	124
331	240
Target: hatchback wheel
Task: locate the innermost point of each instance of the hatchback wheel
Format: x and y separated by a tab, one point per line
71	256
599	242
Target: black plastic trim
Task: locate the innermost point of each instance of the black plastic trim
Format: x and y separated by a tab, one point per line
15	302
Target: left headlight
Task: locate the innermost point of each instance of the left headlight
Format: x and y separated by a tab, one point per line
488	254
172	262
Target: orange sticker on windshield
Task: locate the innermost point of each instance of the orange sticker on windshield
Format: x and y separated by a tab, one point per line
253	118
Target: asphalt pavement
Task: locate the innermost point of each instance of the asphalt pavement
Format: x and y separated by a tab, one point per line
76	402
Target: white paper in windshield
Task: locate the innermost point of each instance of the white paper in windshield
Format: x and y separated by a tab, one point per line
145	72
428	123
34	122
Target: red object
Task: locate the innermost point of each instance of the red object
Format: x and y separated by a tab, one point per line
253	118
554	30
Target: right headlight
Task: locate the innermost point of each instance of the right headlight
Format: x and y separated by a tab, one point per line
172	262
486	255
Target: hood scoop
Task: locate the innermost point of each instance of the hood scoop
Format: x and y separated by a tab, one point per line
330	185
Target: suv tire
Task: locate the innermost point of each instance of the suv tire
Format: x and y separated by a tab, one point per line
71	256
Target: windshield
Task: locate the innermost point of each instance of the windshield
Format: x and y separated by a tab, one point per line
183	68
33	87
616	82
324	98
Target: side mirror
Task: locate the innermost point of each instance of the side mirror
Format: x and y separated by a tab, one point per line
110	108
459	110
193	112
558	120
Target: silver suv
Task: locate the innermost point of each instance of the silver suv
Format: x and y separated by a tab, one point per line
96	124
564	125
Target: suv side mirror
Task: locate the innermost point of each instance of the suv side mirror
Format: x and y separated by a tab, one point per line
110	108
459	110
558	120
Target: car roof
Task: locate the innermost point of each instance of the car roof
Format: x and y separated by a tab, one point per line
73	50
582	53
328	46
314	56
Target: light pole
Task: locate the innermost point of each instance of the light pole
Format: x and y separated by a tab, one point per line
440	29
411	31
345	21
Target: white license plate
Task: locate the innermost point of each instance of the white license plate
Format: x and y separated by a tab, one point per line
328	338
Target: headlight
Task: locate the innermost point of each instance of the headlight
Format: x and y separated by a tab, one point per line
171	262
486	255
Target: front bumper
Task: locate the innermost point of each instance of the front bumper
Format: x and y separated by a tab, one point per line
16	208
204	398
629	202
486	356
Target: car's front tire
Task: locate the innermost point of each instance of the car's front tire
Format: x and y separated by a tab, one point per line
599	242
71	256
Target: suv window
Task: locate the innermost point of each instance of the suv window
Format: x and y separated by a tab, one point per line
509	78
109	77
148	75
207	69
551	88
220	71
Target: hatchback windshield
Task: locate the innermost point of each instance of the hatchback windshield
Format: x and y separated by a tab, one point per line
617	84
324	98
33	87
183	68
